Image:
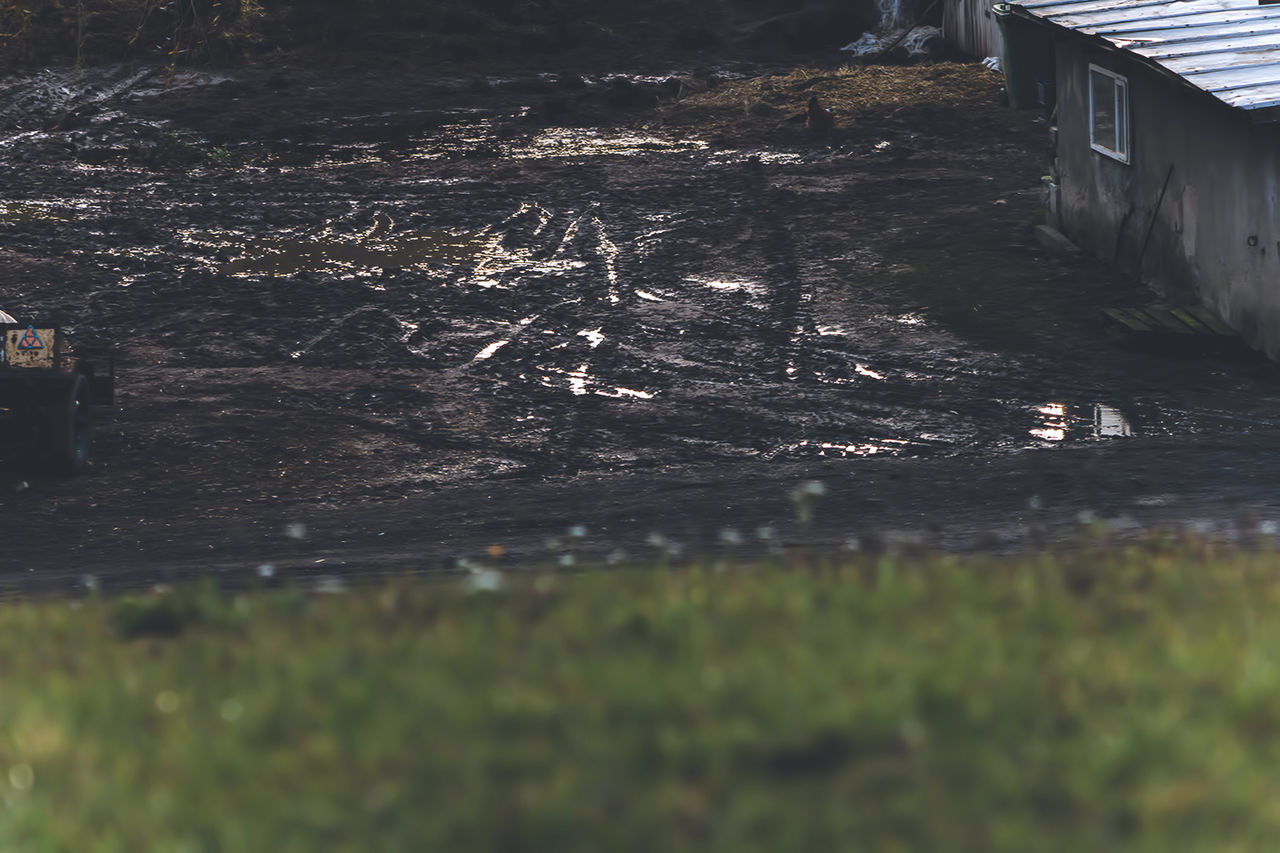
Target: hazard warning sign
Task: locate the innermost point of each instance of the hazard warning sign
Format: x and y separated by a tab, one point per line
30	348
30	339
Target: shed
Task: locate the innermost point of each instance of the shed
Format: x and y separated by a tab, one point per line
1167	147
970	26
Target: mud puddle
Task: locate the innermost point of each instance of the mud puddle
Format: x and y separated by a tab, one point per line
441	300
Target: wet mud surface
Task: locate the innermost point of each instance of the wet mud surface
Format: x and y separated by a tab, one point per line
386	319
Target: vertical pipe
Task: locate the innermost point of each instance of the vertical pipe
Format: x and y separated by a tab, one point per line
1152	224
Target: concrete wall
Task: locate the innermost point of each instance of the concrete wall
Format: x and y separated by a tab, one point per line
970	26
1216	236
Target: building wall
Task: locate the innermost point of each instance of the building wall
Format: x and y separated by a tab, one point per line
970	26
1216	235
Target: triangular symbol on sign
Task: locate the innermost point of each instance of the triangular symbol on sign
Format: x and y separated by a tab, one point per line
30	340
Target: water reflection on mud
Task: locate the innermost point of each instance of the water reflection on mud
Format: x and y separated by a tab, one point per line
882	446
37	210
580	382
1054	424
1109	422
590	142
1061	421
372	252
499	140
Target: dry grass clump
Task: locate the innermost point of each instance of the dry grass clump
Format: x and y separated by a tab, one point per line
855	94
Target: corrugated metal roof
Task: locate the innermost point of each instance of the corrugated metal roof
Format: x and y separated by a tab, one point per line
1228	48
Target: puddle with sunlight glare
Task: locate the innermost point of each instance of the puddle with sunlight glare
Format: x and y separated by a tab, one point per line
576	141
1059	421
325	251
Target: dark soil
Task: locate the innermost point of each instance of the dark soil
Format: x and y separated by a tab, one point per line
388	315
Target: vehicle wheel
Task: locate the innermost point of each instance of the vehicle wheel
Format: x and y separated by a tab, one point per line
72	432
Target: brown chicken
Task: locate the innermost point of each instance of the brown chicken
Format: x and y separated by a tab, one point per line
818	117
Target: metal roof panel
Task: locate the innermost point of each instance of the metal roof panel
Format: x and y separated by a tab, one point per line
1228	48
1198	62
1167	50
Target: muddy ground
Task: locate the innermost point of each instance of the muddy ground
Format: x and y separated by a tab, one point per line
390	316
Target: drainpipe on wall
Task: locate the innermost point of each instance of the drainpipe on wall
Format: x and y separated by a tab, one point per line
1152	224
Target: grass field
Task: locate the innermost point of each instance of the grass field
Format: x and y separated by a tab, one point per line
1102	698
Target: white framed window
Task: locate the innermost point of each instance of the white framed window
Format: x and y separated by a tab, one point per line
1109	113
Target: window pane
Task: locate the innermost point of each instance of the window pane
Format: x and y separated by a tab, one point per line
1122	119
1102	99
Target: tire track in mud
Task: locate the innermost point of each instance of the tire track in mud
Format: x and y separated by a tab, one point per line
47	99
551	320
453	394
600	265
791	299
573	424
810	370
583	263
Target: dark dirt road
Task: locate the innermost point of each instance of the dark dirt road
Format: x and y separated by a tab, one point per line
382	318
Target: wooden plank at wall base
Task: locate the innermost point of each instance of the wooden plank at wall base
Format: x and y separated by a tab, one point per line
1207	317
1195	325
1181	320
1125	318
1162	316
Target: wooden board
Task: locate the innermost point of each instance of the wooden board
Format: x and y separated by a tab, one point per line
1207	317
1161	315
1123	317
1180	320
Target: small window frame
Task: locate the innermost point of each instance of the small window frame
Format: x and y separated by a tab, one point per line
1120	109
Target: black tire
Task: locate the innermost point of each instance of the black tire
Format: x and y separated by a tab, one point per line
72	427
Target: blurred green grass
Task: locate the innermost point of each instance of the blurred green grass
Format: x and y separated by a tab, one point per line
1098	698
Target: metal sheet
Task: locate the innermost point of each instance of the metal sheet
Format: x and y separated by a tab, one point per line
1212	77
970	25
1228	48
1218	25
1199	51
